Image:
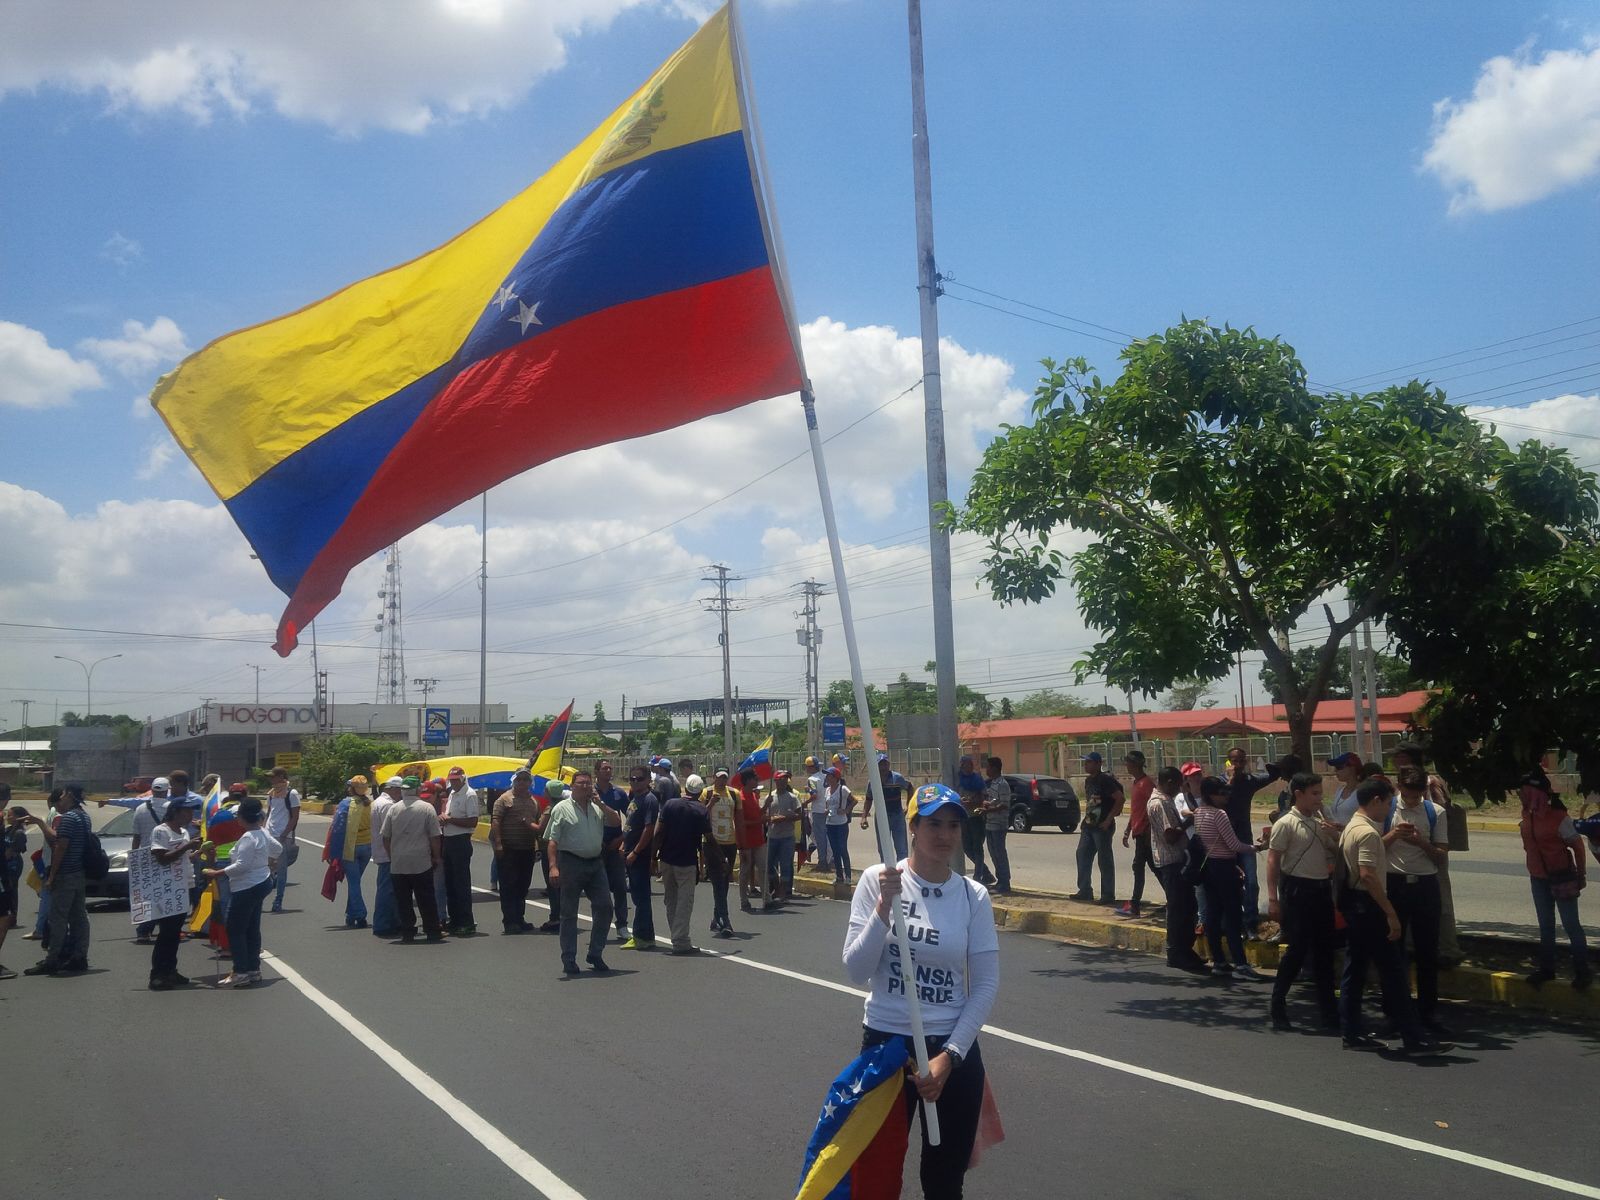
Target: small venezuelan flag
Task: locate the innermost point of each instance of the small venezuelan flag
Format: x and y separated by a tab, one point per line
858	1149
758	762
630	289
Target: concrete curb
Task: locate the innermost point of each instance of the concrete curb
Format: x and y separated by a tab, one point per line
1469	984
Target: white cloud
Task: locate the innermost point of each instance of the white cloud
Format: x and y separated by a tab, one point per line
1530	129
1571	421
157	458
349	65
35	374
123	251
141	348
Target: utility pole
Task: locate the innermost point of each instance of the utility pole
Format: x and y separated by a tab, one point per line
944	636
391	640
810	636
427	685
1369	671
483	629
88	678
22	754
254	717
1133	721
722	606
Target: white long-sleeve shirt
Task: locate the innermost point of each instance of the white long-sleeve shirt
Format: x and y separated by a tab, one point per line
953	944
253	855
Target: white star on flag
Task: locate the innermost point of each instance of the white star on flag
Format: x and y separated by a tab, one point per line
527	316
856	1086
504	297
828	1110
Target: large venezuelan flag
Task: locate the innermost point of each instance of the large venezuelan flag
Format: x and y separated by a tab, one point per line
758	762
858	1149
629	290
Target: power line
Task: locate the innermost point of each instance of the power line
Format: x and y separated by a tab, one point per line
1422	362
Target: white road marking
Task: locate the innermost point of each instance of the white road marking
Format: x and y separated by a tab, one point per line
533	1172
1317	1120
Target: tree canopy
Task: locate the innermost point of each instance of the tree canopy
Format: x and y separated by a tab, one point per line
1395	675
1230	505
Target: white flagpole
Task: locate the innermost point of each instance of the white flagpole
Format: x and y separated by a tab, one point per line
869	741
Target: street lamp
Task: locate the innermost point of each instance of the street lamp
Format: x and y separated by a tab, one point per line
88	677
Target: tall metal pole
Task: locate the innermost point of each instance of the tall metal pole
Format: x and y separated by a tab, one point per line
88	678
22	754
1358	676
720	605
944	635
483	633
1369	670
254	717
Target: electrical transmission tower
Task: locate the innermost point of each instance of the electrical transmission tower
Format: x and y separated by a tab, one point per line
721	605
810	636
391	640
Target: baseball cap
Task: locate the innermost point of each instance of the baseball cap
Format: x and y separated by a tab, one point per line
780	775
1093	756
410	781
1347	759
238	789
1134	756
835	771
454	771
184	800
720	773
359	781
160	784
555	790
811	760
883	757
1192	768
394	781
930	798
694	785
522	773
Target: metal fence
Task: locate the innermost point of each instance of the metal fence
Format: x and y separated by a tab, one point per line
1066	757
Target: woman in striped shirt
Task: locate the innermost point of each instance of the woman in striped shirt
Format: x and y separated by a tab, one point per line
1223	880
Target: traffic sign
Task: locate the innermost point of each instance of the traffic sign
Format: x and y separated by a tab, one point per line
436	727
289	760
833	731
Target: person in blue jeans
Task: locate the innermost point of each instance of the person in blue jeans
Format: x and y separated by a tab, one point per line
385	915
357	851
895	788
1103	799
1242	787
997	823
250	874
638	843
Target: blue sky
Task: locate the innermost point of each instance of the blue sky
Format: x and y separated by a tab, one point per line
1284	166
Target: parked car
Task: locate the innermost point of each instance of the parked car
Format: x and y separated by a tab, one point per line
1042	800
116	839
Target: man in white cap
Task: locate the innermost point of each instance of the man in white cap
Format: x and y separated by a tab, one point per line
145	819
385	917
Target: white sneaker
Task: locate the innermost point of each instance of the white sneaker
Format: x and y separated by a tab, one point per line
230	980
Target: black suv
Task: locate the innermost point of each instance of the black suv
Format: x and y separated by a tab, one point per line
1042	800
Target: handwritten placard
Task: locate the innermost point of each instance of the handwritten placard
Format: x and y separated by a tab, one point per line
156	890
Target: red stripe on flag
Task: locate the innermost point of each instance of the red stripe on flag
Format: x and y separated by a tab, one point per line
876	1175
622	373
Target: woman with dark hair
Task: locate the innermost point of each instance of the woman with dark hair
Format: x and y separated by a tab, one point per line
1556	870
950	924
1223	880
249	873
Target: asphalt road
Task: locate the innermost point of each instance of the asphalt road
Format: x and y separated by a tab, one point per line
363	1069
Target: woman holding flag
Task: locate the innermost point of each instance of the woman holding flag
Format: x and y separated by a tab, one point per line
955	951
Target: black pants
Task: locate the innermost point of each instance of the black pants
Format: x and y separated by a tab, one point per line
972	845
1142	858
944	1167
1418	905
720	862
1182	911
516	877
1307	908
164	955
456	851
411	894
1369	944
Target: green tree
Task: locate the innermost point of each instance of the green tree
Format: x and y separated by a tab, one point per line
1006	711
327	762
1228	499
599	716
1395	676
1047	702
658	732
1186	695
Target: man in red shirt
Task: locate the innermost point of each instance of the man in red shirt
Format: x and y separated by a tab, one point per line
751	835
1139	788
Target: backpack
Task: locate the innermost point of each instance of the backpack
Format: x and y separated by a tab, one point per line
95	863
1427	807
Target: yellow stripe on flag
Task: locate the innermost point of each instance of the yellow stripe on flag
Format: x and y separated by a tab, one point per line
202	910
854	1136
252	398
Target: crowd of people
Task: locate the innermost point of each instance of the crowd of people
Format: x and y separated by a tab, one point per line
1329	881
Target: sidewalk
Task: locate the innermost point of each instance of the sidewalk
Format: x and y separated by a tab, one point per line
1055	915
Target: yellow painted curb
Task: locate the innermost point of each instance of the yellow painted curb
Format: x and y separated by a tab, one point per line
1473	985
